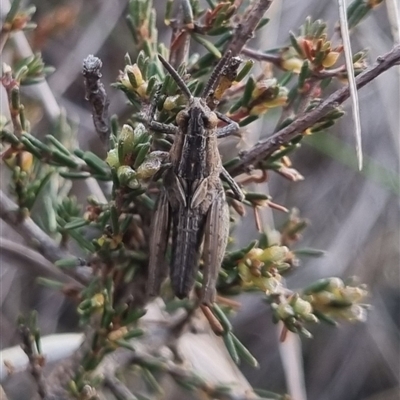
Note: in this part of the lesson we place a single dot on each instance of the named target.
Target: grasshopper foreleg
(150, 121)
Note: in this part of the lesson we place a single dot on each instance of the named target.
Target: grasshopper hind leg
(216, 235)
(160, 227)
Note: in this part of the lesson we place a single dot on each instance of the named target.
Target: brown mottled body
(193, 202)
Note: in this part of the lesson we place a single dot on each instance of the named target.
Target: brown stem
(244, 30)
(4, 35)
(7, 26)
(276, 60)
(35, 359)
(266, 147)
(307, 97)
(180, 40)
(11, 84)
(97, 96)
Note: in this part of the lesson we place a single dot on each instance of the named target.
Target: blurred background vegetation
(354, 216)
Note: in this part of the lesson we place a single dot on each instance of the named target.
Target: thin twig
(4, 34)
(5, 29)
(24, 226)
(276, 60)
(244, 30)
(266, 147)
(180, 39)
(272, 58)
(97, 96)
(34, 262)
(12, 90)
(35, 359)
(306, 97)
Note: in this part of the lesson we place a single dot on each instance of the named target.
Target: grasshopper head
(197, 117)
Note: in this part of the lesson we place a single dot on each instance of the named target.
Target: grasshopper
(192, 199)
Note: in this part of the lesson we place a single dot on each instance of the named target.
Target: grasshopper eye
(182, 117)
(210, 120)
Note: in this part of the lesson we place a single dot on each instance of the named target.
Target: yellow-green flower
(97, 300)
(133, 80)
(274, 254)
(293, 64)
(267, 94)
(151, 164)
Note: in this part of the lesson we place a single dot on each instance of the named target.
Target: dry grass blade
(290, 352)
(352, 83)
(393, 12)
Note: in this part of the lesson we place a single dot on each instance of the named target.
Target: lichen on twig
(97, 96)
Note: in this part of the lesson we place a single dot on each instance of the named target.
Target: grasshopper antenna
(175, 77)
(216, 74)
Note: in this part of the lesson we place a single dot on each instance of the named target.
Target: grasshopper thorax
(197, 118)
